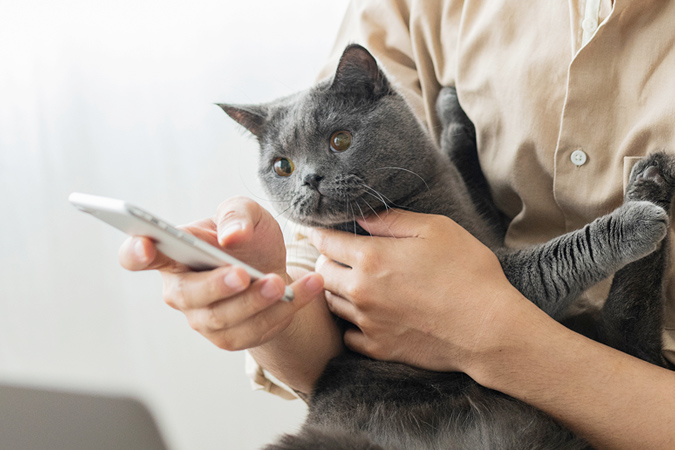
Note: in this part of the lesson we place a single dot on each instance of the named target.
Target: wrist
(511, 334)
(298, 354)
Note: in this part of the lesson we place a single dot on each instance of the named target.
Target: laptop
(36, 419)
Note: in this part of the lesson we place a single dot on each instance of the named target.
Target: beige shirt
(565, 96)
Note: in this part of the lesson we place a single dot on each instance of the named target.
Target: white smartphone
(174, 243)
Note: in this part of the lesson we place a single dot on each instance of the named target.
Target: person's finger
(345, 248)
(204, 229)
(139, 253)
(356, 341)
(396, 223)
(194, 290)
(335, 275)
(342, 308)
(230, 312)
(235, 219)
(262, 326)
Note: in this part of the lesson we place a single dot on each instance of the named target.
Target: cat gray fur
(361, 403)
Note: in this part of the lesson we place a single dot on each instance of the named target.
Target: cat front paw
(643, 226)
(653, 179)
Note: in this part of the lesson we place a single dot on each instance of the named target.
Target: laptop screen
(36, 419)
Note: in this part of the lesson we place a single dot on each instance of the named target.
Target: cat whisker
(379, 196)
(372, 209)
(260, 198)
(280, 214)
(353, 215)
(286, 222)
(254, 194)
(406, 170)
(280, 200)
(388, 203)
(391, 203)
(361, 211)
(378, 216)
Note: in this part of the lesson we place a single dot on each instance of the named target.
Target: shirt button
(578, 157)
(589, 25)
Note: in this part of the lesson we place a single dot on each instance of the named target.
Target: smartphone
(174, 243)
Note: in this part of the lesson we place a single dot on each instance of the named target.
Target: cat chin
(349, 225)
(324, 216)
(321, 212)
(321, 222)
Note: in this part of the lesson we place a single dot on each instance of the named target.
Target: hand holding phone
(174, 243)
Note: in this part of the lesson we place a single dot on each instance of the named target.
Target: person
(565, 97)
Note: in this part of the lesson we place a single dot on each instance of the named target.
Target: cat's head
(341, 150)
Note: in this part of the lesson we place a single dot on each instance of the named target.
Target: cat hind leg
(458, 143)
(631, 319)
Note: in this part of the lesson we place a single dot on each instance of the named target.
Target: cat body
(351, 146)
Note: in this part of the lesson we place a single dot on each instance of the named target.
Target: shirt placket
(590, 21)
(578, 154)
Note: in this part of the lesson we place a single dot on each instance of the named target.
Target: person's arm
(427, 293)
(610, 398)
(293, 341)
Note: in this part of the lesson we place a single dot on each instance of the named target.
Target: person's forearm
(300, 353)
(576, 381)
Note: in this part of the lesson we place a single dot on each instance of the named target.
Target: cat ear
(251, 117)
(358, 72)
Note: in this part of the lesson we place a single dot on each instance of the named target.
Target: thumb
(280, 314)
(395, 223)
(235, 220)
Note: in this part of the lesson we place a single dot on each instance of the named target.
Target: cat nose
(312, 180)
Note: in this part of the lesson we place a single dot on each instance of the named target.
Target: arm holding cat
(294, 341)
(396, 290)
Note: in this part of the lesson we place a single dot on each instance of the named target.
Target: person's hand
(223, 304)
(422, 290)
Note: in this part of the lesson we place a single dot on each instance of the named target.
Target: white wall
(116, 99)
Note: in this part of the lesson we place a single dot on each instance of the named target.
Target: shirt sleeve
(261, 380)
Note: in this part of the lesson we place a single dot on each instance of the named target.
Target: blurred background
(116, 99)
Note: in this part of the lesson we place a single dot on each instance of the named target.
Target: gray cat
(351, 146)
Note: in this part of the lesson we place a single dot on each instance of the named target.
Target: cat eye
(340, 140)
(284, 167)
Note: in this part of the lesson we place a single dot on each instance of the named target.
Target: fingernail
(230, 229)
(234, 281)
(270, 290)
(314, 283)
(140, 251)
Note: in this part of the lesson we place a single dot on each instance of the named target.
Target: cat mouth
(319, 209)
(325, 205)
(322, 202)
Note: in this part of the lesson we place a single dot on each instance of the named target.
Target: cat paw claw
(653, 179)
(652, 174)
